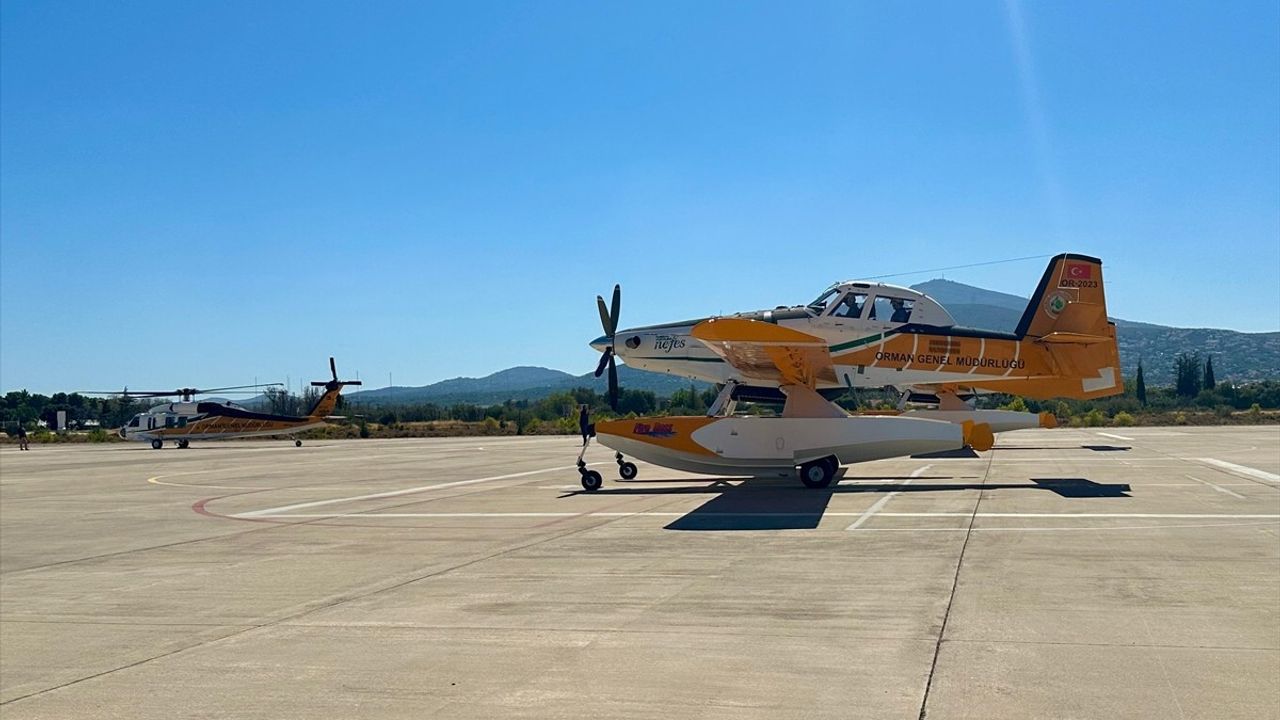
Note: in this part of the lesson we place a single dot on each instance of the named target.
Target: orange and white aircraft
(190, 420)
(860, 334)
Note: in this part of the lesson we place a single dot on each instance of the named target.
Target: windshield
(821, 303)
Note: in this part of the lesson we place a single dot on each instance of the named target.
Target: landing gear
(297, 443)
(184, 443)
(157, 444)
(627, 470)
(819, 473)
(591, 480)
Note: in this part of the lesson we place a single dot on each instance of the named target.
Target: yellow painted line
(157, 481)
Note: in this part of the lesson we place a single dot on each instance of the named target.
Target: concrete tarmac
(1111, 573)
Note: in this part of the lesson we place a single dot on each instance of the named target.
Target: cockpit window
(851, 306)
(891, 309)
(136, 421)
(821, 303)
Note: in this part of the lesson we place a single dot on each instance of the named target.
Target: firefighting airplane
(185, 421)
(859, 334)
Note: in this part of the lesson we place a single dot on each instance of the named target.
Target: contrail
(1036, 119)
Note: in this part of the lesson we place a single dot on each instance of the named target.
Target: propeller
(185, 393)
(335, 383)
(609, 320)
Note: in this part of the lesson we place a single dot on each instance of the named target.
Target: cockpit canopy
(880, 302)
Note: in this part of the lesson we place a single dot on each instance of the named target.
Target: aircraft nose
(601, 343)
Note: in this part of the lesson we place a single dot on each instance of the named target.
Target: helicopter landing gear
(627, 470)
(157, 444)
(297, 442)
(184, 444)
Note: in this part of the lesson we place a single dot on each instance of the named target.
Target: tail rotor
(335, 383)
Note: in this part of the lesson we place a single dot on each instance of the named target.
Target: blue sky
(210, 193)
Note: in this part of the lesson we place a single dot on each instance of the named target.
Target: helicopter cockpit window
(851, 306)
(892, 309)
(136, 421)
(821, 303)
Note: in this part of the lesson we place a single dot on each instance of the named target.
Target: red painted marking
(1079, 271)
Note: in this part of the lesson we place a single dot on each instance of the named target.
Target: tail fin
(1068, 316)
(332, 388)
(1069, 299)
(325, 405)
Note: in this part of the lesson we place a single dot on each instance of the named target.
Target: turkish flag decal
(1079, 271)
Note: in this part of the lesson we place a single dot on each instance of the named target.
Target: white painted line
(656, 513)
(1117, 437)
(276, 512)
(881, 502)
(1242, 470)
(1219, 488)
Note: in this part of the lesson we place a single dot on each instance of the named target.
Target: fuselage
(210, 420)
(878, 335)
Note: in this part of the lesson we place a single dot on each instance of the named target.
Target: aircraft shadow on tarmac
(768, 504)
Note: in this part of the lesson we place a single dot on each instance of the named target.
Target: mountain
(1236, 355)
(520, 383)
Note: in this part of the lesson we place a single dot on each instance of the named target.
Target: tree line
(1195, 388)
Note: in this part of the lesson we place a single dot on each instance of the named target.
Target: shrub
(98, 435)
(1094, 418)
(1017, 405)
(1122, 419)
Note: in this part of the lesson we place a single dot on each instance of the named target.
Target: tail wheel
(592, 480)
(627, 470)
(819, 473)
(184, 443)
(297, 443)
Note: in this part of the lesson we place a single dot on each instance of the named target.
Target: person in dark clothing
(22, 438)
(584, 424)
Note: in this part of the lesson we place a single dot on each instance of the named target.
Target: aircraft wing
(768, 352)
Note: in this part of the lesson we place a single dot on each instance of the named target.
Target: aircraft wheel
(157, 444)
(819, 473)
(184, 444)
(297, 443)
(592, 480)
(628, 470)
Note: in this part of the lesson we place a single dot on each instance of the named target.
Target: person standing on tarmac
(584, 424)
(22, 438)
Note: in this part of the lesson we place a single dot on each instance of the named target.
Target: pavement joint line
(951, 597)
(871, 511)
(1219, 488)
(275, 512)
(1241, 469)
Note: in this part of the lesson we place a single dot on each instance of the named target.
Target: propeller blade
(613, 310)
(604, 317)
(352, 382)
(613, 384)
(333, 368)
(605, 357)
(318, 383)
